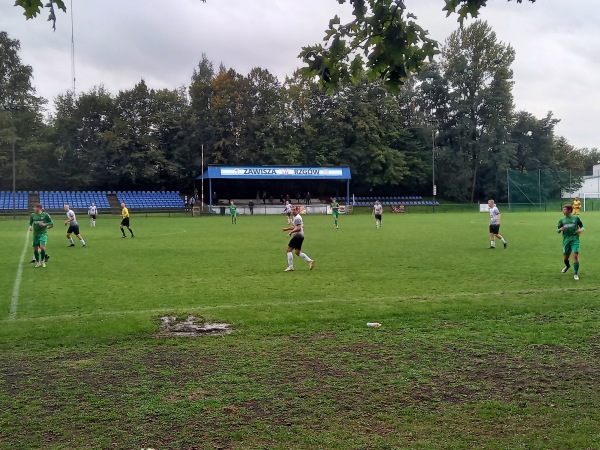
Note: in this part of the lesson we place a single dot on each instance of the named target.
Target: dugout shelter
(213, 172)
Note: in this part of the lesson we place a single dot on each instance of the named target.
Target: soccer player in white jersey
(377, 212)
(73, 226)
(495, 225)
(288, 211)
(93, 212)
(296, 232)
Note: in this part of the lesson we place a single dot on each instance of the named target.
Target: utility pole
(14, 199)
(202, 179)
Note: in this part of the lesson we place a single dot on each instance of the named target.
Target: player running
(377, 212)
(495, 225)
(233, 212)
(40, 221)
(335, 211)
(93, 212)
(296, 232)
(73, 226)
(288, 211)
(571, 227)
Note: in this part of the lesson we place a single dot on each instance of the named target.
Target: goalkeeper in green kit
(571, 227)
(40, 221)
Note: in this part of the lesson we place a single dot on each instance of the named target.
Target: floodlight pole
(14, 165)
(202, 180)
(14, 168)
(433, 166)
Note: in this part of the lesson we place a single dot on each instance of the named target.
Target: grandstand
(150, 199)
(410, 200)
(21, 200)
(75, 199)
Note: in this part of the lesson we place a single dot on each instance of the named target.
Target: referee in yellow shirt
(125, 220)
(576, 206)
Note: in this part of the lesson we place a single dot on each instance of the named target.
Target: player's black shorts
(495, 228)
(296, 242)
(73, 229)
(93, 216)
(377, 216)
(125, 222)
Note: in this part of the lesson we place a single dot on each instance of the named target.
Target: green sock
(36, 253)
(43, 254)
(576, 267)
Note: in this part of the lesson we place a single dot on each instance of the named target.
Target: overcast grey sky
(119, 42)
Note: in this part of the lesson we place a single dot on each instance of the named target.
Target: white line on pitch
(416, 298)
(15, 294)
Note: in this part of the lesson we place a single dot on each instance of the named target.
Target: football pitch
(477, 348)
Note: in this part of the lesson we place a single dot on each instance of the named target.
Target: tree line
(457, 113)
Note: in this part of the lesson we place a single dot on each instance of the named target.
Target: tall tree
(81, 127)
(471, 95)
(21, 123)
(230, 90)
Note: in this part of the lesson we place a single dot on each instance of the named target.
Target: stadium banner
(283, 172)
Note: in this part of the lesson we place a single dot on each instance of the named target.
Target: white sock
(82, 241)
(492, 243)
(503, 241)
(290, 257)
(71, 240)
(305, 257)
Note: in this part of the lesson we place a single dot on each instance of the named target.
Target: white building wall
(590, 184)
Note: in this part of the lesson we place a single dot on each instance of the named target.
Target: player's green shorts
(570, 246)
(234, 214)
(40, 240)
(335, 213)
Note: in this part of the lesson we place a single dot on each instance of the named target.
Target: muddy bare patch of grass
(190, 327)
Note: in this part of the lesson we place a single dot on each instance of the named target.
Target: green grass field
(478, 348)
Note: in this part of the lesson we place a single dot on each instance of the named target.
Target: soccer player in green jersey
(335, 211)
(233, 212)
(571, 227)
(40, 221)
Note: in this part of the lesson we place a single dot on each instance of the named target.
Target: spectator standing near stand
(251, 207)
